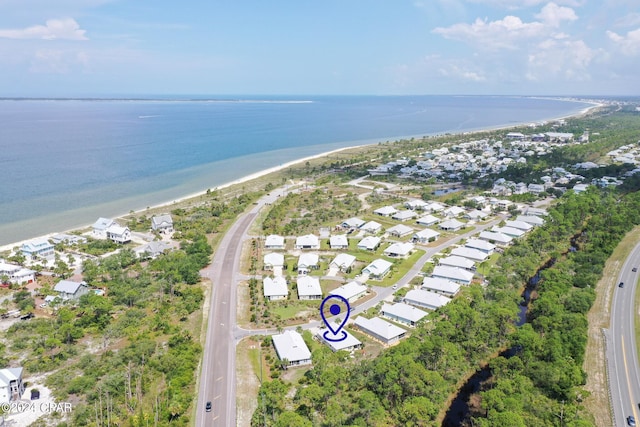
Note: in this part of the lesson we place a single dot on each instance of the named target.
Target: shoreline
(273, 169)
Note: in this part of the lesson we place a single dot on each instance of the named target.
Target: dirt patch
(247, 382)
(243, 312)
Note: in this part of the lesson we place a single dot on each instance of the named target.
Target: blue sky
(118, 47)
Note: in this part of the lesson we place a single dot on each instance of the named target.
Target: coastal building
(536, 221)
(425, 236)
(380, 330)
(453, 212)
(152, 249)
(343, 262)
(118, 234)
(402, 313)
(38, 248)
(68, 239)
(400, 230)
(16, 274)
(458, 262)
(476, 215)
(309, 241)
(162, 223)
(291, 348)
(378, 269)
(399, 250)
(472, 254)
(455, 274)
(309, 288)
(273, 261)
(441, 286)
(385, 211)
(404, 215)
(415, 204)
(372, 227)
(350, 343)
(273, 241)
(352, 223)
(509, 231)
(426, 299)
(369, 243)
(351, 291)
(428, 220)
(11, 385)
(434, 207)
(307, 262)
(521, 225)
(451, 225)
(339, 241)
(498, 239)
(69, 290)
(275, 288)
(100, 227)
(481, 245)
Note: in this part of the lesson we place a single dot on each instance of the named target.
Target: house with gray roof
(354, 222)
(380, 330)
(457, 261)
(472, 254)
(536, 221)
(400, 230)
(38, 248)
(153, 249)
(404, 215)
(498, 239)
(291, 347)
(350, 343)
(451, 225)
(454, 274)
(428, 220)
(402, 313)
(441, 286)
(372, 227)
(162, 223)
(481, 245)
(385, 211)
(68, 290)
(426, 299)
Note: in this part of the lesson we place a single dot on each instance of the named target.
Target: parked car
(208, 406)
(631, 420)
(621, 285)
(634, 269)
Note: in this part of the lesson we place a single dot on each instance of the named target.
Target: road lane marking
(626, 371)
(217, 397)
(218, 379)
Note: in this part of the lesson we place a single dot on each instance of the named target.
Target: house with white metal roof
(11, 385)
(499, 239)
(385, 211)
(415, 204)
(509, 231)
(404, 215)
(338, 241)
(273, 241)
(351, 291)
(454, 274)
(68, 290)
(99, 228)
(426, 299)
(481, 245)
(457, 261)
(308, 288)
(399, 250)
(476, 215)
(378, 268)
(369, 243)
(40, 248)
(434, 207)
(309, 241)
(162, 223)
(402, 313)
(428, 220)
(372, 227)
(273, 261)
(17, 274)
(531, 219)
(380, 330)
(354, 222)
(308, 262)
(342, 262)
(451, 225)
(441, 286)
(453, 212)
(291, 347)
(400, 230)
(425, 236)
(473, 254)
(275, 288)
(350, 343)
(119, 234)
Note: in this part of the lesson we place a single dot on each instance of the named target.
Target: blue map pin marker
(335, 309)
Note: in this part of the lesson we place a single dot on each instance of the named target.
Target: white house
(441, 286)
(68, 290)
(509, 231)
(307, 262)
(342, 262)
(273, 261)
(11, 385)
(380, 330)
(291, 347)
(351, 291)
(369, 243)
(372, 227)
(426, 299)
(309, 241)
(399, 250)
(162, 223)
(457, 261)
(273, 241)
(40, 248)
(453, 212)
(531, 219)
(17, 274)
(480, 245)
(454, 274)
(473, 254)
(118, 234)
(354, 222)
(99, 228)
(404, 215)
(400, 230)
(69, 239)
(309, 288)
(338, 241)
(152, 249)
(451, 225)
(275, 288)
(350, 343)
(385, 211)
(428, 220)
(378, 268)
(415, 204)
(402, 313)
(496, 238)
(476, 215)
(521, 225)
(434, 207)
(425, 236)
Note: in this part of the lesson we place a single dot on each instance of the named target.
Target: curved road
(218, 372)
(622, 356)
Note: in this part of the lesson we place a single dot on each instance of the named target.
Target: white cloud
(629, 44)
(628, 20)
(564, 59)
(454, 71)
(54, 29)
(553, 15)
(49, 61)
(521, 4)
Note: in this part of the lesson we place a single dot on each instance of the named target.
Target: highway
(622, 356)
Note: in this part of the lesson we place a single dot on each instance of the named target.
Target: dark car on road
(621, 285)
(634, 269)
(631, 421)
(208, 407)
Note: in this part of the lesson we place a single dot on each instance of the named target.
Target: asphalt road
(622, 356)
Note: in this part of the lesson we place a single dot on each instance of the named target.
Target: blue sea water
(66, 162)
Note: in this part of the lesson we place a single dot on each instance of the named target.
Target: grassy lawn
(398, 270)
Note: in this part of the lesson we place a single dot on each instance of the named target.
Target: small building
(402, 313)
(441, 286)
(118, 234)
(162, 223)
(428, 220)
(378, 269)
(385, 211)
(405, 215)
(369, 243)
(354, 223)
(339, 241)
(509, 231)
(290, 347)
(473, 254)
(343, 262)
(535, 188)
(425, 236)
(451, 225)
(458, 262)
(273, 261)
(454, 274)
(38, 248)
(275, 288)
(152, 249)
(415, 204)
(68, 290)
(351, 291)
(380, 330)
(309, 288)
(399, 250)
(453, 212)
(496, 238)
(273, 241)
(536, 211)
(69, 239)
(481, 245)
(372, 227)
(434, 207)
(100, 227)
(520, 225)
(11, 385)
(426, 299)
(350, 343)
(309, 241)
(536, 221)
(476, 215)
(308, 262)
(400, 230)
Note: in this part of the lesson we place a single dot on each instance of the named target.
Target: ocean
(67, 162)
